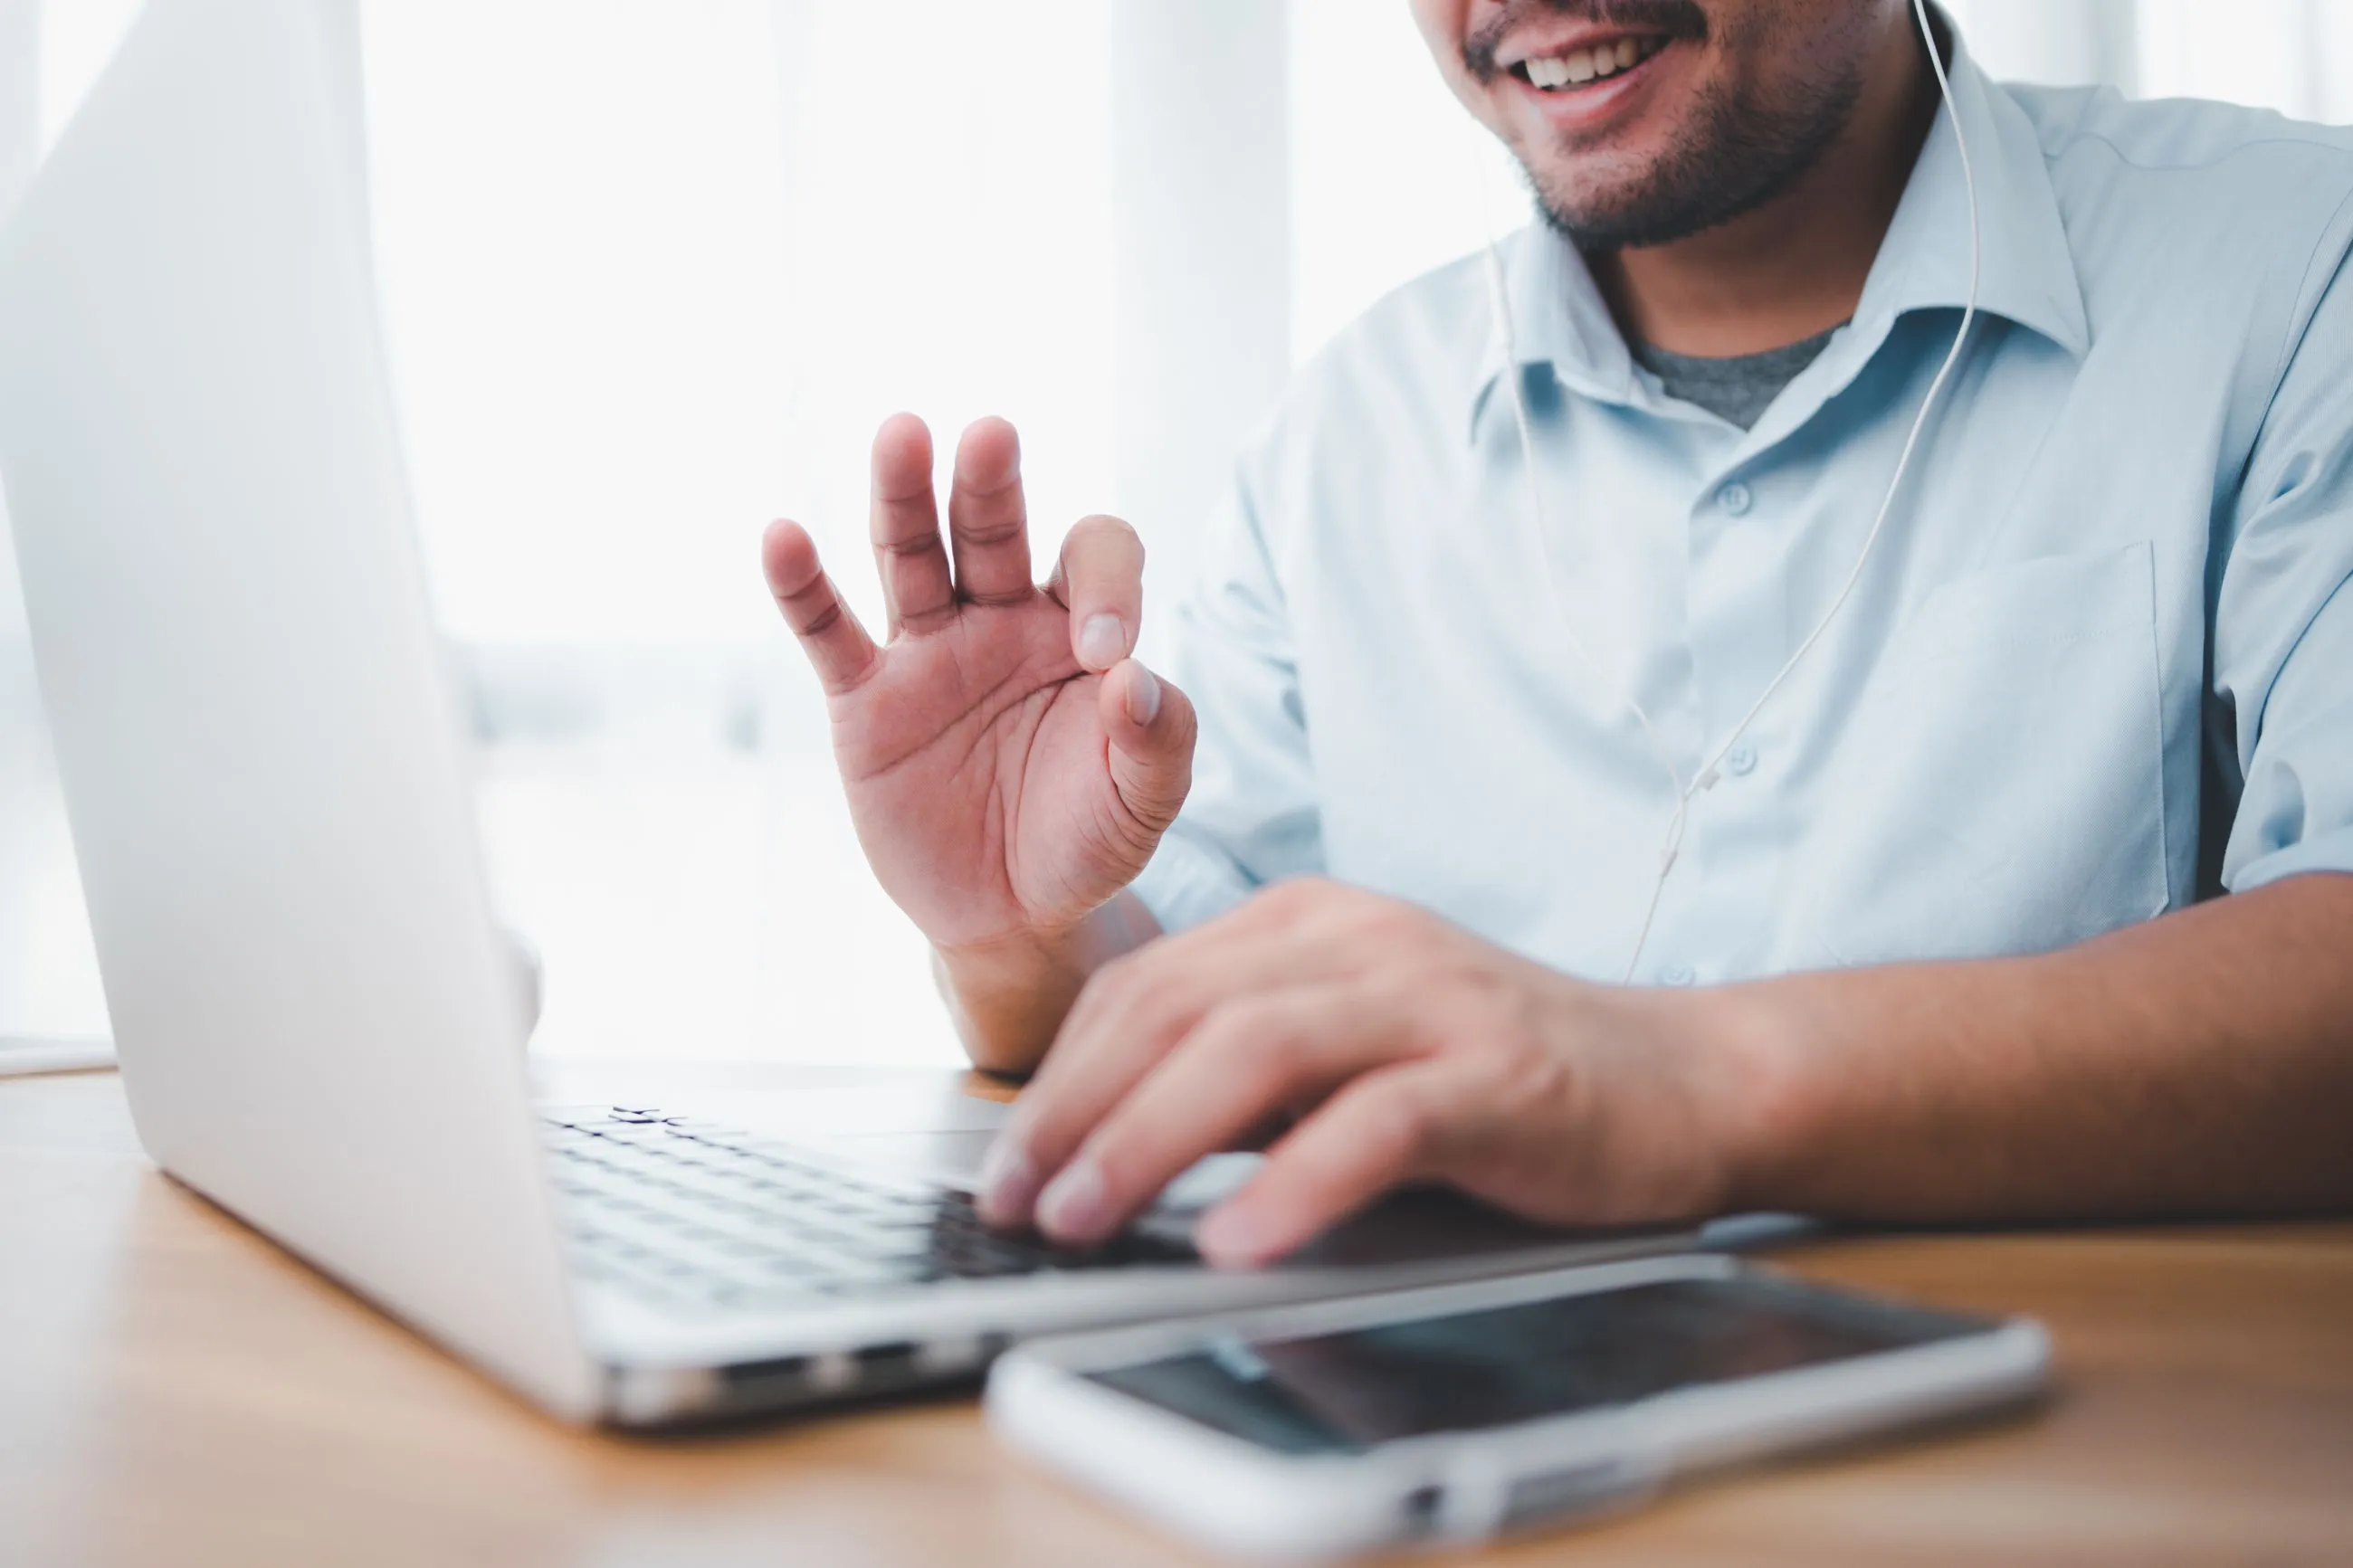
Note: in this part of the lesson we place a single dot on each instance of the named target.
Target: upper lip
(1539, 43)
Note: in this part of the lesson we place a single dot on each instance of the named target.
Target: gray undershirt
(1738, 389)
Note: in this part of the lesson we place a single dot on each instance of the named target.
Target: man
(1938, 936)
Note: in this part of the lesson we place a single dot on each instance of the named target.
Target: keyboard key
(689, 1215)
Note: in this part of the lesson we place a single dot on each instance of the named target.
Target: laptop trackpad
(953, 1157)
(1416, 1225)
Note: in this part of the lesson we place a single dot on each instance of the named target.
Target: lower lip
(1580, 108)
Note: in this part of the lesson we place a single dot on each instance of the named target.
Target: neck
(1796, 266)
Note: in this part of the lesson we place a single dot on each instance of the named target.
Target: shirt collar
(2028, 277)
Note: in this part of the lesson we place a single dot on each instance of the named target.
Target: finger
(1100, 580)
(988, 522)
(1140, 1005)
(1297, 932)
(1153, 729)
(1129, 1015)
(905, 524)
(836, 644)
(1247, 1061)
(1385, 1129)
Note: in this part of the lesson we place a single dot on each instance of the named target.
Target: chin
(1597, 189)
(1602, 170)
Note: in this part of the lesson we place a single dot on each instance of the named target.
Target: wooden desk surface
(172, 1390)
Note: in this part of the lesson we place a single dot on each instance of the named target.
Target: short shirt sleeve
(2284, 615)
(1251, 817)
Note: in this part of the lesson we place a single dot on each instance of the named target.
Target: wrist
(1754, 1099)
(1008, 994)
(1718, 1065)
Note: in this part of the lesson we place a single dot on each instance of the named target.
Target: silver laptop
(318, 1026)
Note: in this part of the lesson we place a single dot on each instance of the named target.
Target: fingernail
(1102, 642)
(1143, 696)
(1231, 1236)
(1072, 1205)
(1007, 1181)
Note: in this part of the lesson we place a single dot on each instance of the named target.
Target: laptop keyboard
(690, 1215)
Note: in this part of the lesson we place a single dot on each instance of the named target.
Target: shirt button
(1736, 497)
(1741, 761)
(1677, 975)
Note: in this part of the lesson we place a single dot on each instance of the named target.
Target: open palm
(1009, 767)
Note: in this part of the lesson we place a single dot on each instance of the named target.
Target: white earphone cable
(1705, 778)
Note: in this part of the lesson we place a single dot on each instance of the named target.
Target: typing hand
(1385, 1047)
(1010, 766)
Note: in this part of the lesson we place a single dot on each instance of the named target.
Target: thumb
(1152, 728)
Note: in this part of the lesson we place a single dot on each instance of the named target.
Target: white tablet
(1462, 1411)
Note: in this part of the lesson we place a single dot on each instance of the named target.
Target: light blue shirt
(2099, 666)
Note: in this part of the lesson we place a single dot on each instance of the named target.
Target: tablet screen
(1344, 1393)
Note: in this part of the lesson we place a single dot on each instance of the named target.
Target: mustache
(1672, 19)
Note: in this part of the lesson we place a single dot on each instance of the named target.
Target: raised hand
(1009, 765)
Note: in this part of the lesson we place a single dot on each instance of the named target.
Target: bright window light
(653, 275)
(1379, 198)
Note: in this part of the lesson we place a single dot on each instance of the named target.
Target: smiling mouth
(1574, 70)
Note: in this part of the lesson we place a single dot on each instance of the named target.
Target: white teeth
(1581, 66)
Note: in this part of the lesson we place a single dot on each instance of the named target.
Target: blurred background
(651, 274)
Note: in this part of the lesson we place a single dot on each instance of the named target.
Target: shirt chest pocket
(2001, 788)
